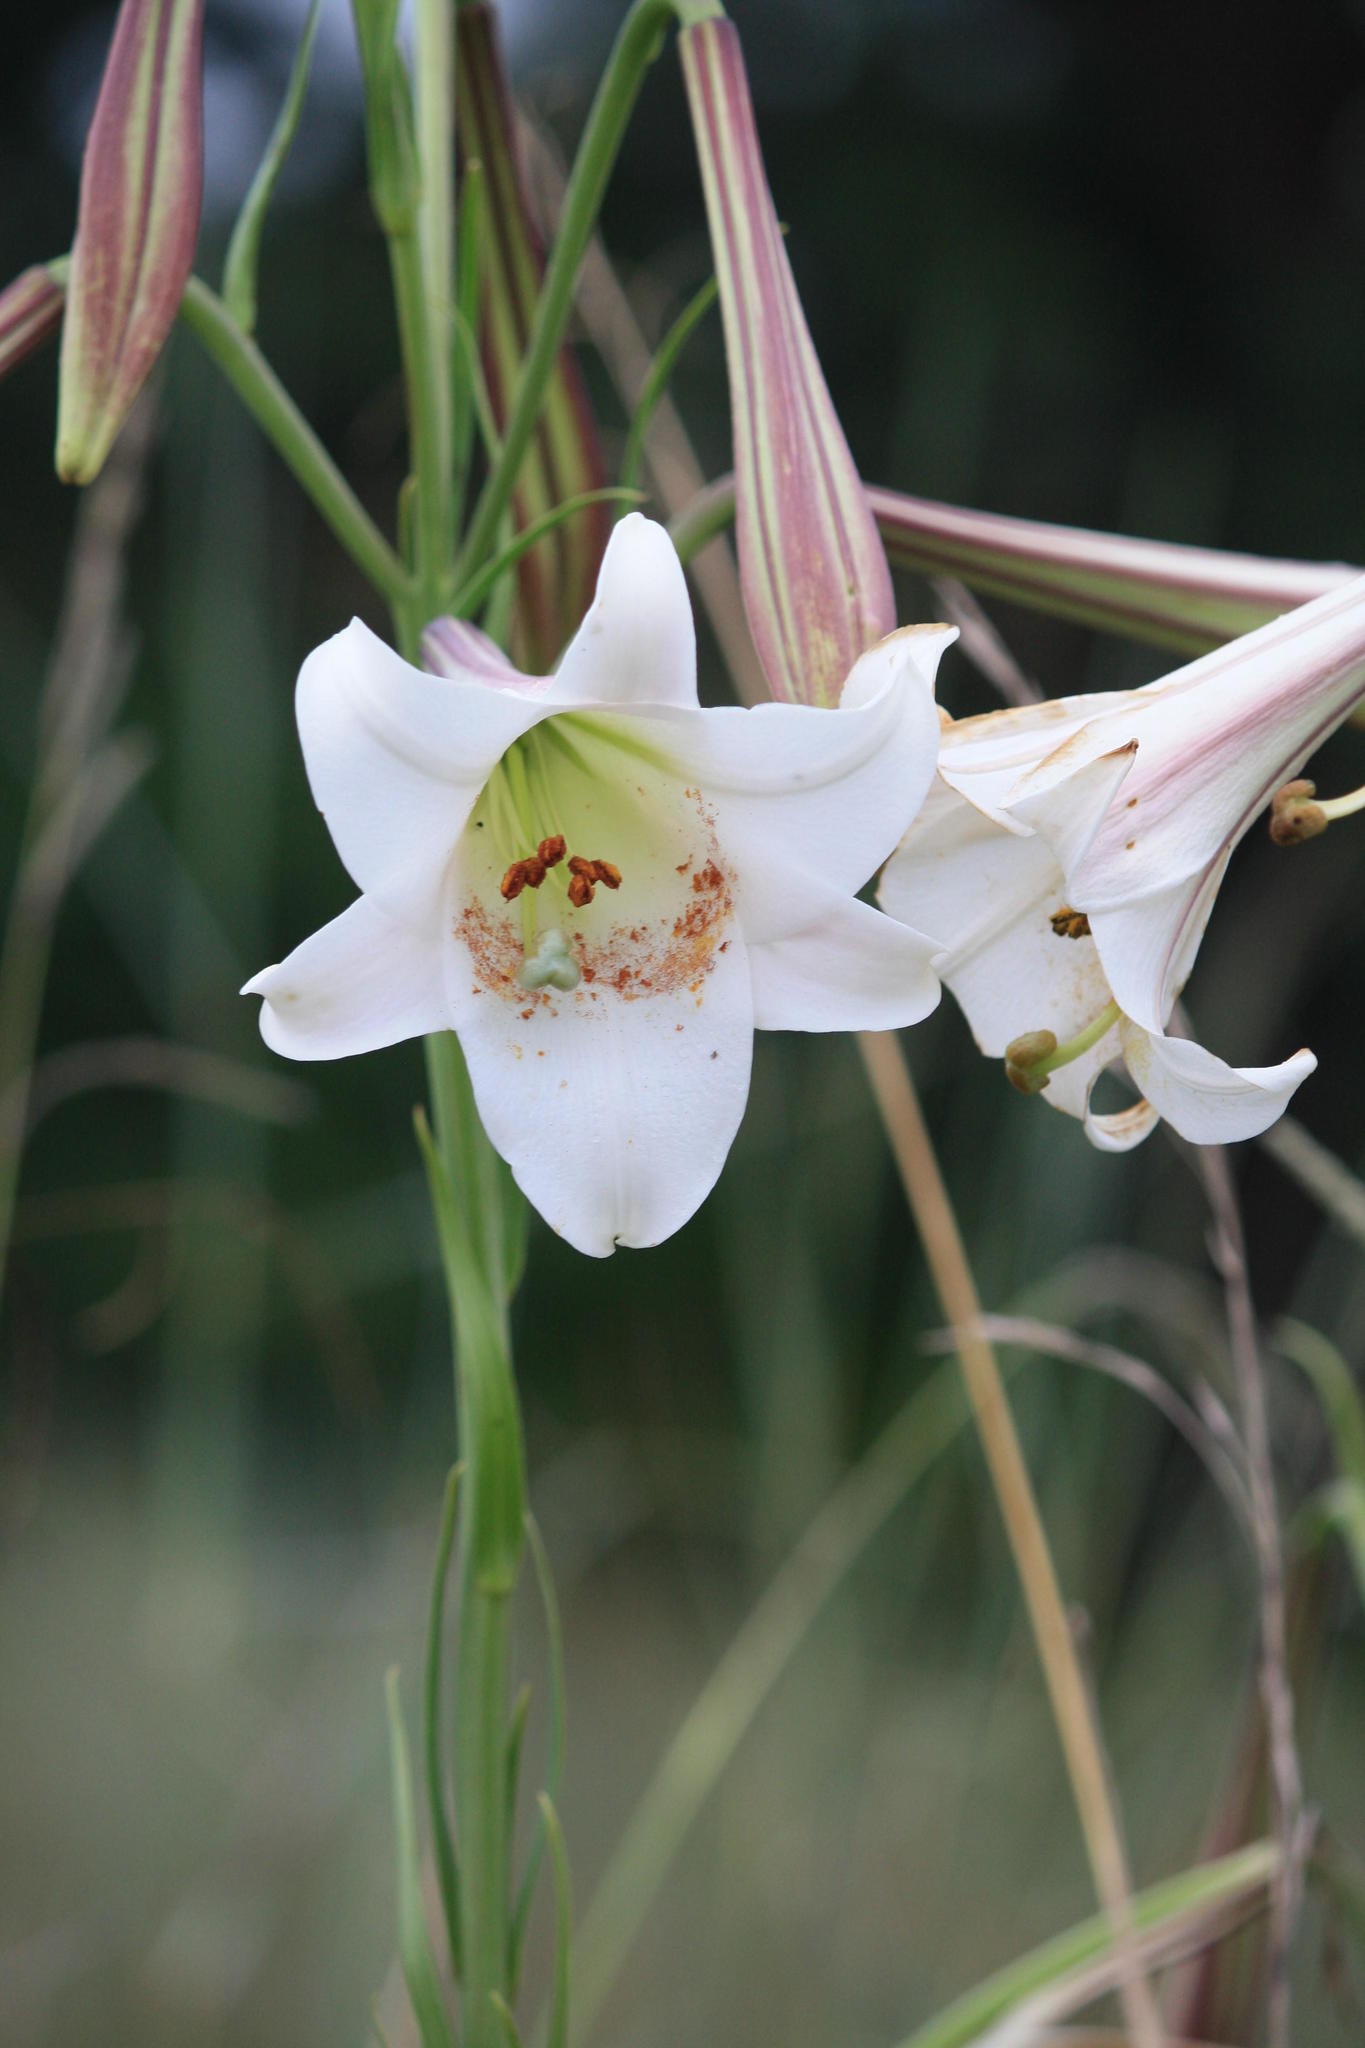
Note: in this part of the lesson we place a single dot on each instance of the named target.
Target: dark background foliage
(1098, 265)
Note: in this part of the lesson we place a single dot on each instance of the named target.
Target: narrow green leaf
(554, 1759)
(535, 387)
(244, 249)
(516, 1735)
(478, 587)
(1340, 1509)
(1171, 1907)
(660, 375)
(464, 328)
(414, 1939)
(447, 1867)
(557, 2033)
(504, 2013)
(1334, 1384)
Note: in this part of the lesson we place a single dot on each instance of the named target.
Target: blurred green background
(1105, 266)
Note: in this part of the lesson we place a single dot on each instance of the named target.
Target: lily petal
(849, 969)
(1120, 1130)
(830, 791)
(396, 760)
(1201, 1097)
(637, 644)
(1219, 736)
(615, 1112)
(987, 898)
(362, 982)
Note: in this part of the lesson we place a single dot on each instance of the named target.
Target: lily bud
(1294, 816)
(1024, 1057)
(30, 310)
(136, 225)
(556, 578)
(812, 568)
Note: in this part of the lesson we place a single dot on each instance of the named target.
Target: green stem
(660, 373)
(480, 1802)
(636, 47)
(284, 426)
(427, 407)
(474, 1167)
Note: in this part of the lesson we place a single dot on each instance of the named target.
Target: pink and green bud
(136, 226)
(812, 568)
(30, 310)
(556, 578)
(1161, 592)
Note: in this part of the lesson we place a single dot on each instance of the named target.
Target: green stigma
(552, 965)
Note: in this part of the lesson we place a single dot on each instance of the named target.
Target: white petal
(614, 1110)
(849, 969)
(396, 759)
(637, 644)
(363, 981)
(986, 897)
(1120, 1130)
(984, 758)
(1200, 1096)
(1148, 947)
(802, 796)
(1066, 805)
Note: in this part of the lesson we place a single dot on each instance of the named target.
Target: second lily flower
(1071, 851)
(603, 888)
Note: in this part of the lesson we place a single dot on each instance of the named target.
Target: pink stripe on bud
(30, 310)
(136, 226)
(812, 569)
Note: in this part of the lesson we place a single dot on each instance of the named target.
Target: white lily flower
(603, 888)
(1069, 856)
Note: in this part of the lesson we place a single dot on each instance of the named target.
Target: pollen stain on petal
(669, 950)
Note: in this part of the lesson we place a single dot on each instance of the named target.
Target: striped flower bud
(812, 568)
(136, 226)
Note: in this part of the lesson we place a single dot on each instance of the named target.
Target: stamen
(528, 873)
(1030, 1059)
(1295, 816)
(586, 873)
(552, 965)
(1070, 924)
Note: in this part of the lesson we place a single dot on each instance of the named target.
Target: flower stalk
(1072, 1706)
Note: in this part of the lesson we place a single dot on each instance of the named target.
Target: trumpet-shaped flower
(603, 888)
(1070, 853)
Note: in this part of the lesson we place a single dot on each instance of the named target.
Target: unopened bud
(1024, 1056)
(136, 225)
(1294, 816)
